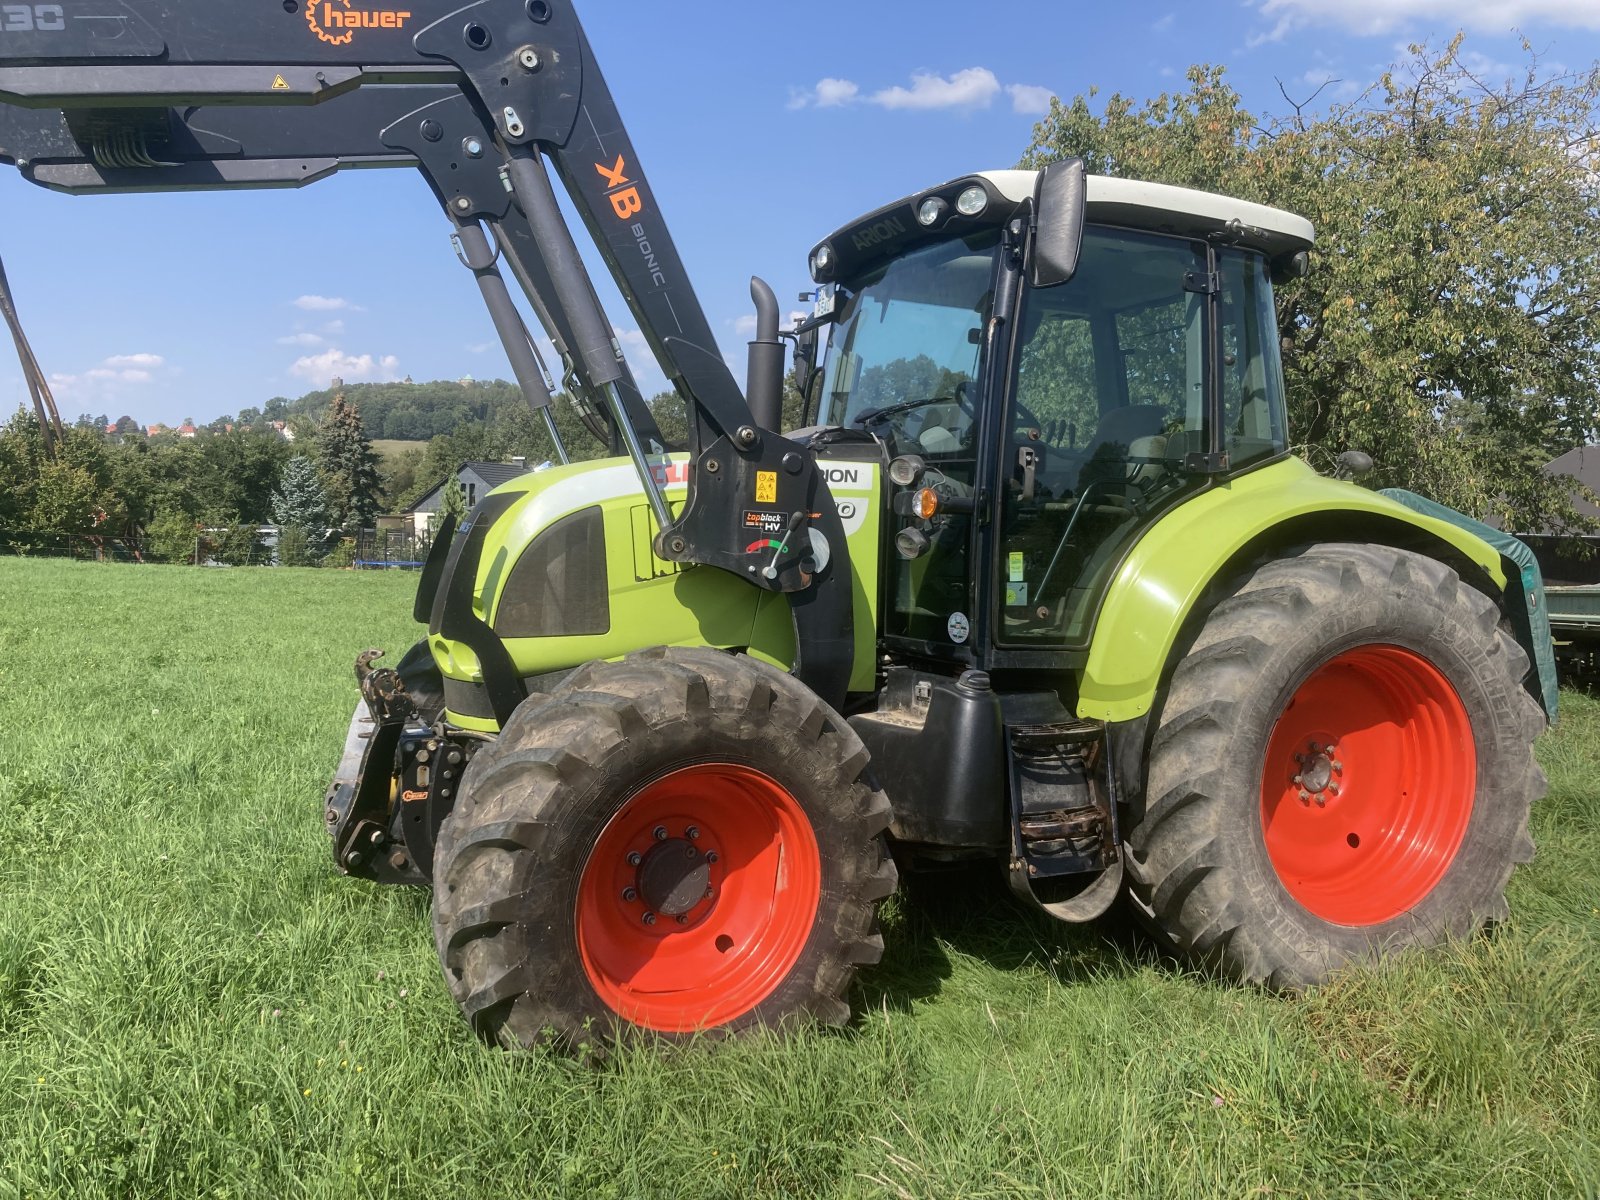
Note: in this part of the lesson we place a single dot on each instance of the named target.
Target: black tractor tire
(1257, 849)
(567, 904)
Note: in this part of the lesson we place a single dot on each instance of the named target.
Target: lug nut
(692, 833)
(1305, 797)
(683, 918)
(660, 833)
(635, 858)
(1299, 779)
(711, 856)
(630, 894)
(1338, 766)
(649, 918)
(710, 892)
(1322, 801)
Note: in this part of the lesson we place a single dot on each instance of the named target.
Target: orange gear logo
(336, 22)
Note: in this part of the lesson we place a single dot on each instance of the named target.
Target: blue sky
(762, 128)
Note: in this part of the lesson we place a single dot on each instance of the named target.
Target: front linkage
(398, 777)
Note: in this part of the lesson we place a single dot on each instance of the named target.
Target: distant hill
(414, 412)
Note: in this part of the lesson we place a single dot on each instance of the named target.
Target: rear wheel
(681, 841)
(1342, 766)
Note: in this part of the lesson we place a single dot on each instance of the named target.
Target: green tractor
(1039, 583)
(1107, 633)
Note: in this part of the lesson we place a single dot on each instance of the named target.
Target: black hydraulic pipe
(764, 378)
(593, 341)
(591, 333)
(472, 247)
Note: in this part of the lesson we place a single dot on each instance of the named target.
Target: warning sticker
(766, 487)
(770, 523)
(1015, 569)
(280, 84)
(1016, 595)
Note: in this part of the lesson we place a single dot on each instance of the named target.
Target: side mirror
(1060, 205)
(805, 359)
(1352, 464)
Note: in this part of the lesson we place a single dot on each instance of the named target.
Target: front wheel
(682, 841)
(1342, 767)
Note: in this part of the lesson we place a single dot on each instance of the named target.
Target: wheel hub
(673, 877)
(1319, 771)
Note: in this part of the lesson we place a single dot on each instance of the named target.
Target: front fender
(1168, 570)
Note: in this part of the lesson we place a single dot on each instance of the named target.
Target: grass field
(192, 1003)
(390, 447)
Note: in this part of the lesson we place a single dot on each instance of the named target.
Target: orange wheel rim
(1368, 785)
(698, 898)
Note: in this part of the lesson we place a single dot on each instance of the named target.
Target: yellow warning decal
(280, 84)
(766, 487)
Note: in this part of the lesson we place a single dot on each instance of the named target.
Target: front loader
(1039, 583)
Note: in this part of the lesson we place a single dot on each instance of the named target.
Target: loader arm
(149, 95)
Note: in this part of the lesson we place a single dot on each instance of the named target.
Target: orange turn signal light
(925, 503)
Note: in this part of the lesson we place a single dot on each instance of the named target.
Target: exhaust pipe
(764, 378)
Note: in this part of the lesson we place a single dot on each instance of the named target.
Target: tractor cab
(1037, 426)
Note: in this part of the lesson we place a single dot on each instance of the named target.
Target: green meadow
(193, 1003)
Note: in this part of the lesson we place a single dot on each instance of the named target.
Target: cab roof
(1157, 207)
(1163, 207)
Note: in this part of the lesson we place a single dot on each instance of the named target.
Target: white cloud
(745, 326)
(1370, 17)
(303, 339)
(1030, 99)
(135, 360)
(102, 384)
(975, 87)
(323, 304)
(829, 93)
(319, 369)
(1164, 23)
(333, 328)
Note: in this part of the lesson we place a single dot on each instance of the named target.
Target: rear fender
(1206, 541)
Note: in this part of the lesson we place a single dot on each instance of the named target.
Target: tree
(349, 468)
(298, 507)
(299, 499)
(1450, 325)
(454, 500)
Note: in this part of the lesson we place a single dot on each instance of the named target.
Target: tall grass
(193, 1003)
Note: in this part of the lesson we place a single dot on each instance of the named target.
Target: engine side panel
(647, 601)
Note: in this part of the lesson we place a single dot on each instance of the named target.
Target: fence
(231, 546)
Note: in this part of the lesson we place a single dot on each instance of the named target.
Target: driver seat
(1121, 431)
